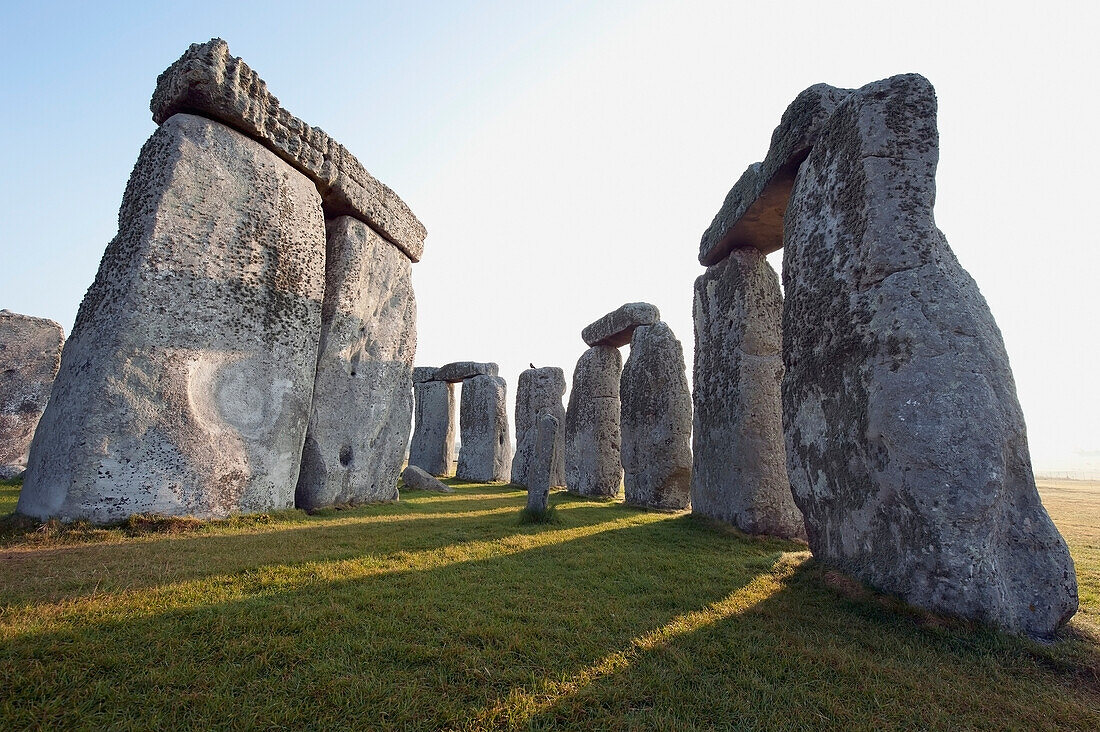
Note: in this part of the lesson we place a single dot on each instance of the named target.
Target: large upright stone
(485, 454)
(739, 470)
(593, 439)
(538, 392)
(544, 458)
(433, 442)
(362, 397)
(462, 370)
(656, 420)
(30, 353)
(210, 81)
(186, 384)
(616, 328)
(906, 446)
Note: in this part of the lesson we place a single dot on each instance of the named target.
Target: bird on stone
(532, 365)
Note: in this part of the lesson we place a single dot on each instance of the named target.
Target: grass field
(444, 611)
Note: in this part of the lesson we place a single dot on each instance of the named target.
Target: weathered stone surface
(423, 373)
(185, 387)
(739, 469)
(906, 446)
(544, 459)
(593, 439)
(462, 370)
(485, 454)
(616, 328)
(433, 442)
(210, 81)
(30, 353)
(538, 392)
(656, 420)
(418, 480)
(752, 214)
(362, 397)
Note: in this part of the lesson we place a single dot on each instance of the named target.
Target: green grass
(443, 611)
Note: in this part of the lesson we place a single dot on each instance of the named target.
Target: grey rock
(210, 81)
(906, 445)
(418, 480)
(423, 373)
(30, 353)
(362, 397)
(433, 442)
(739, 470)
(616, 328)
(485, 454)
(538, 392)
(462, 370)
(593, 438)
(656, 420)
(752, 214)
(185, 387)
(544, 458)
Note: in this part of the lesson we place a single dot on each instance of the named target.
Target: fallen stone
(906, 446)
(593, 439)
(185, 387)
(485, 454)
(418, 480)
(656, 421)
(739, 469)
(433, 442)
(362, 396)
(544, 458)
(616, 328)
(30, 353)
(538, 392)
(752, 214)
(209, 81)
(462, 370)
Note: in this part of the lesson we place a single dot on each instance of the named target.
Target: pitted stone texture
(616, 328)
(739, 469)
(418, 480)
(752, 214)
(433, 442)
(593, 439)
(485, 454)
(362, 397)
(656, 420)
(462, 370)
(538, 392)
(210, 81)
(906, 446)
(30, 353)
(185, 387)
(423, 373)
(545, 456)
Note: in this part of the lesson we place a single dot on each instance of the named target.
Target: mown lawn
(443, 611)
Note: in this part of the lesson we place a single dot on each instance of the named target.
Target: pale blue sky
(566, 156)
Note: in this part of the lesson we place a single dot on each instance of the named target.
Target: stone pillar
(544, 457)
(593, 439)
(186, 385)
(656, 420)
(538, 392)
(362, 398)
(30, 354)
(486, 451)
(433, 442)
(739, 470)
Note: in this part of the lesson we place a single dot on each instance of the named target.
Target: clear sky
(566, 156)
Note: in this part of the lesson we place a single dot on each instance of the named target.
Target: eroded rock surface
(616, 328)
(485, 453)
(656, 420)
(906, 446)
(538, 392)
(593, 438)
(544, 458)
(418, 480)
(462, 370)
(433, 442)
(30, 354)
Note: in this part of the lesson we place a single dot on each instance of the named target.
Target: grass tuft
(533, 516)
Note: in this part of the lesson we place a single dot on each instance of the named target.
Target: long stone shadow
(420, 649)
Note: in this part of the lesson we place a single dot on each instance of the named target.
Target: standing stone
(593, 439)
(739, 470)
(433, 442)
(544, 458)
(362, 397)
(30, 353)
(906, 446)
(539, 392)
(186, 385)
(656, 420)
(485, 454)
